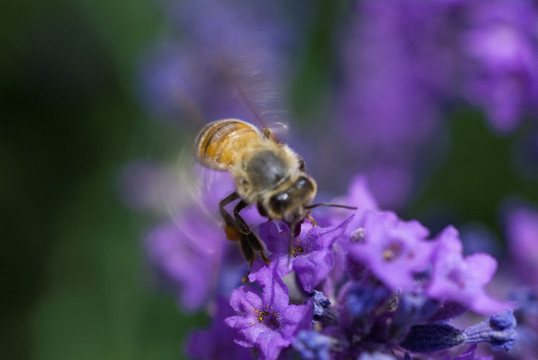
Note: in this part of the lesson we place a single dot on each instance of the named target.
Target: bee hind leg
(246, 233)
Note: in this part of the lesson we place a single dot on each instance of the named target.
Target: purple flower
(311, 258)
(459, 279)
(392, 249)
(266, 321)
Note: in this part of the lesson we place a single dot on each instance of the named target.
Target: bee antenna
(331, 205)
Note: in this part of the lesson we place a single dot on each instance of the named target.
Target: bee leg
(233, 227)
(252, 238)
(232, 231)
(248, 253)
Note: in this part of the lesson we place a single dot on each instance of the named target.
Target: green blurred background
(75, 283)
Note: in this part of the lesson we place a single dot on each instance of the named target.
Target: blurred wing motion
(259, 100)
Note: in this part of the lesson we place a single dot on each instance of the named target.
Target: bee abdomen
(219, 142)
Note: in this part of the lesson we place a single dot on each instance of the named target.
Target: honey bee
(266, 172)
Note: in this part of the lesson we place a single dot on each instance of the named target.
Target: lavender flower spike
(426, 338)
(499, 331)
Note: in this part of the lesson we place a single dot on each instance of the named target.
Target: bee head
(290, 205)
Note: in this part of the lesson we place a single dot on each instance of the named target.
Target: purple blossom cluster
(407, 62)
(364, 284)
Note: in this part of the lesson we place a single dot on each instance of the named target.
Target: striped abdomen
(219, 143)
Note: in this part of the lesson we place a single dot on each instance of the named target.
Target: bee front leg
(234, 231)
(252, 238)
(231, 229)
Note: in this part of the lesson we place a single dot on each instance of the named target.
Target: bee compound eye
(279, 202)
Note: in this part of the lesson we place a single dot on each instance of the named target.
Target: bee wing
(259, 95)
(189, 239)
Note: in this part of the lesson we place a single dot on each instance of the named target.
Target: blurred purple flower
(405, 61)
(387, 109)
(392, 249)
(459, 279)
(522, 234)
(500, 42)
